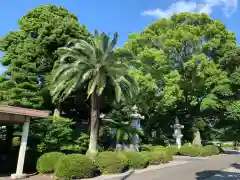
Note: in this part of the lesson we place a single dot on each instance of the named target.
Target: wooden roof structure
(17, 115)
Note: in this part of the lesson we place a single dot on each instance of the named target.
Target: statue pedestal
(178, 141)
(177, 133)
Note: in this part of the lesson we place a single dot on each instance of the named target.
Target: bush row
(81, 166)
(186, 150)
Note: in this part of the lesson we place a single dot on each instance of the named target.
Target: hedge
(211, 149)
(136, 160)
(111, 162)
(75, 166)
(157, 157)
(194, 150)
(173, 150)
(47, 162)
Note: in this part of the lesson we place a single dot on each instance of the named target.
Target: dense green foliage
(194, 150)
(187, 67)
(75, 166)
(120, 120)
(111, 162)
(48, 161)
(157, 157)
(56, 134)
(211, 149)
(93, 64)
(185, 58)
(172, 150)
(136, 160)
(31, 52)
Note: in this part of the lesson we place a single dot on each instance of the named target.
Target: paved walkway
(231, 173)
(200, 169)
(222, 167)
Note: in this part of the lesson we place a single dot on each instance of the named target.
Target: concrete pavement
(232, 173)
(198, 169)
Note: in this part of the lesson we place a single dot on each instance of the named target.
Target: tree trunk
(94, 131)
(118, 145)
(197, 138)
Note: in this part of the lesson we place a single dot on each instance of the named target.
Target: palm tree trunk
(93, 149)
(118, 145)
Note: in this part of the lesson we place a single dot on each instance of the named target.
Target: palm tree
(92, 64)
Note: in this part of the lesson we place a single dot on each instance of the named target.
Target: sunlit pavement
(201, 169)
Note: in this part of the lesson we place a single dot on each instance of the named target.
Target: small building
(10, 115)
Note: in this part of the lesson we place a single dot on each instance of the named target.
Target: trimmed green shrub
(157, 157)
(192, 151)
(136, 160)
(195, 150)
(75, 166)
(47, 162)
(168, 151)
(173, 149)
(212, 150)
(111, 162)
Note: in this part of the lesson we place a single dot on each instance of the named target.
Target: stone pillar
(178, 133)
(21, 155)
(136, 117)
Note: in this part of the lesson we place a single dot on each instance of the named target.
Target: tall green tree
(230, 124)
(30, 52)
(92, 64)
(183, 54)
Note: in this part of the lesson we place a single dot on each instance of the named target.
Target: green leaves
(94, 64)
(188, 59)
(172, 91)
(31, 51)
(123, 129)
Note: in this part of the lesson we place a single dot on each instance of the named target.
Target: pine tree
(30, 53)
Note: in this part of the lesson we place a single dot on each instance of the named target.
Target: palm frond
(84, 48)
(92, 85)
(92, 62)
(111, 122)
(102, 83)
(118, 90)
(110, 44)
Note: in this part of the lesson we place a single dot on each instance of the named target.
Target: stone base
(18, 176)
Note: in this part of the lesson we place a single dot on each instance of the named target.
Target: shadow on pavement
(217, 175)
(230, 152)
(236, 165)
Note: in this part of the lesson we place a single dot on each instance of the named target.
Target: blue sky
(122, 16)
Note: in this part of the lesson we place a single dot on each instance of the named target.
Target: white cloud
(228, 7)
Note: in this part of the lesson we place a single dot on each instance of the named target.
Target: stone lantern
(136, 118)
(177, 132)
